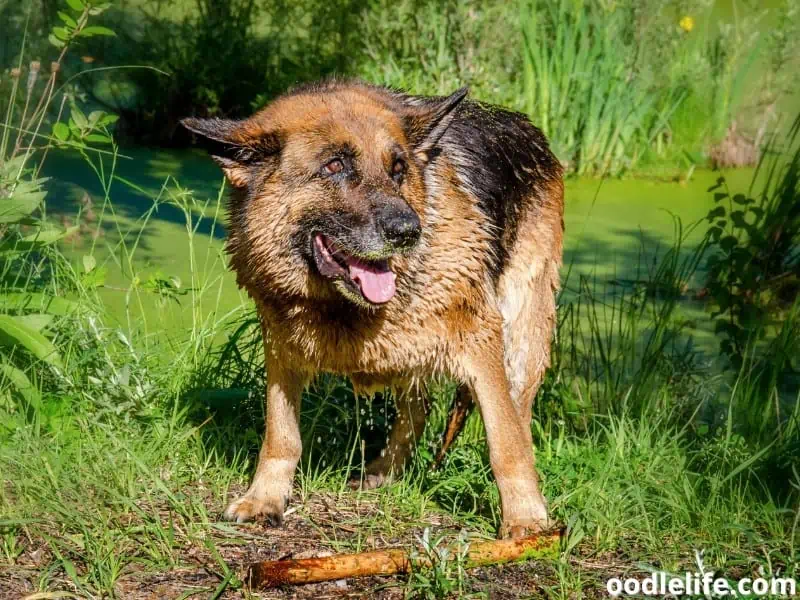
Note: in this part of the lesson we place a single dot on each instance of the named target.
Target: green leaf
(95, 278)
(20, 205)
(728, 243)
(80, 120)
(99, 9)
(23, 385)
(43, 237)
(76, 5)
(98, 138)
(50, 235)
(62, 33)
(741, 199)
(31, 185)
(18, 301)
(89, 263)
(96, 30)
(61, 131)
(68, 21)
(737, 217)
(36, 321)
(9, 169)
(14, 332)
(55, 41)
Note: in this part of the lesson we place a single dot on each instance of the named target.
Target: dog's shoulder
(505, 163)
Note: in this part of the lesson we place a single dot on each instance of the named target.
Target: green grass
(584, 88)
(107, 494)
(127, 501)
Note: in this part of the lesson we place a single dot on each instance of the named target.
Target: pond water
(614, 228)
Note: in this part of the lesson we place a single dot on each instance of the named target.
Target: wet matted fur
(390, 238)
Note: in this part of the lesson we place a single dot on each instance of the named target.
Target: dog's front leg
(280, 451)
(510, 454)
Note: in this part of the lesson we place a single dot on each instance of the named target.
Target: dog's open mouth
(370, 280)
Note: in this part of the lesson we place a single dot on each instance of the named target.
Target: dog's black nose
(401, 228)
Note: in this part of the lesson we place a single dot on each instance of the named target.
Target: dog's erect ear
(426, 121)
(234, 148)
(225, 131)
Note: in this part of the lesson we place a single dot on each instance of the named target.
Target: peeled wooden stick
(272, 573)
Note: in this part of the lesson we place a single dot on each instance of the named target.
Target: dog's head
(329, 188)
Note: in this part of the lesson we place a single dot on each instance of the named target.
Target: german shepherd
(390, 238)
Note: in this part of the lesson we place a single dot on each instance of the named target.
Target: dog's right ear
(234, 148)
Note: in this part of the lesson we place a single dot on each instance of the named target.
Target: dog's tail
(459, 411)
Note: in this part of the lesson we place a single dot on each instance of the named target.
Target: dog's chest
(314, 342)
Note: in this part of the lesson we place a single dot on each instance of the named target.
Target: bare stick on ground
(272, 573)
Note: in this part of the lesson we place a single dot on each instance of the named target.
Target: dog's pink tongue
(376, 283)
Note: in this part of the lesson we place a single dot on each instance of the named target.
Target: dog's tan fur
(449, 315)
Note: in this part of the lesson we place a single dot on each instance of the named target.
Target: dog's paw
(249, 507)
(515, 529)
(369, 482)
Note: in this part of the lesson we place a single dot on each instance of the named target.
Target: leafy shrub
(614, 84)
(753, 285)
(213, 58)
(754, 267)
(34, 276)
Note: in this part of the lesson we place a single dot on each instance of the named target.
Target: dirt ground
(318, 527)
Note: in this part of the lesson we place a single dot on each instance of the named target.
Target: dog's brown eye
(398, 168)
(333, 167)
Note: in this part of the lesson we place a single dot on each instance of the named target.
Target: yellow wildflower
(686, 23)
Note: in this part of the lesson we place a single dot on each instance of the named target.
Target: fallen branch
(272, 573)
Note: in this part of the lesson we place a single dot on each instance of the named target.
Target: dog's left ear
(427, 121)
(234, 148)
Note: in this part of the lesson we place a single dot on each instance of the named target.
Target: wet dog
(390, 238)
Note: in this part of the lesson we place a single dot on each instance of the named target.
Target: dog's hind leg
(412, 409)
(527, 336)
(460, 410)
(526, 295)
(528, 331)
